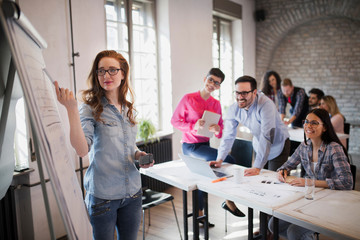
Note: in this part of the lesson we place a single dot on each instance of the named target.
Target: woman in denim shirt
(323, 157)
(105, 127)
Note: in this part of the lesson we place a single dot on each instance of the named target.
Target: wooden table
(333, 213)
(262, 192)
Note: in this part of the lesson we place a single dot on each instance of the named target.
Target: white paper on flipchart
(210, 119)
(41, 102)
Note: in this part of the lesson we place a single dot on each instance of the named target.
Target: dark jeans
(277, 162)
(298, 121)
(203, 151)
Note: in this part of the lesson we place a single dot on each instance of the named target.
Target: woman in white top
(337, 119)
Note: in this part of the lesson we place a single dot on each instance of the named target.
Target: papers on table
(264, 189)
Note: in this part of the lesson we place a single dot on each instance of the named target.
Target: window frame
(128, 4)
(218, 20)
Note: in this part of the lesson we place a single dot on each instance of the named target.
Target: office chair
(151, 199)
(242, 152)
(347, 131)
(353, 172)
(352, 166)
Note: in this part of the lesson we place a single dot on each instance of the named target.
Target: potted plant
(147, 131)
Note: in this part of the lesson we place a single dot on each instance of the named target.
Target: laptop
(202, 167)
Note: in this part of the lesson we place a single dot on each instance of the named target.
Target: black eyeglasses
(111, 71)
(214, 82)
(243, 94)
(312, 123)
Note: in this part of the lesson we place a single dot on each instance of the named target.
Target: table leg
(263, 225)
(250, 223)
(195, 204)
(275, 228)
(206, 215)
(185, 215)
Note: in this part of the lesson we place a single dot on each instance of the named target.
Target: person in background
(106, 126)
(270, 135)
(298, 100)
(187, 117)
(270, 86)
(315, 96)
(324, 158)
(337, 119)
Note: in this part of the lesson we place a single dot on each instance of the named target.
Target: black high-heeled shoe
(236, 213)
(203, 222)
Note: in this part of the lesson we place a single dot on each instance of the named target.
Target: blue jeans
(203, 151)
(122, 214)
(292, 231)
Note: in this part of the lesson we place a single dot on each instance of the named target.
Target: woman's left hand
(138, 154)
(148, 165)
(137, 157)
(299, 182)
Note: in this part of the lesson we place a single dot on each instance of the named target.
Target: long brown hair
(265, 83)
(93, 95)
(329, 135)
(331, 103)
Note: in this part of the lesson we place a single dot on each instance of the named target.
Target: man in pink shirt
(188, 119)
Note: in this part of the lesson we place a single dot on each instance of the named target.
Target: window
(223, 58)
(227, 46)
(131, 31)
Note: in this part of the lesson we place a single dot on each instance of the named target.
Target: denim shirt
(112, 173)
(263, 120)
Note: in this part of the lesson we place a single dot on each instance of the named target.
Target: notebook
(201, 167)
(210, 118)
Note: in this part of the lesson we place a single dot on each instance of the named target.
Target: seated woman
(323, 157)
(337, 119)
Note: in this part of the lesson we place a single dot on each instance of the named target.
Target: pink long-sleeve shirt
(190, 109)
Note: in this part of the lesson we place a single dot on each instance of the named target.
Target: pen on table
(221, 179)
(283, 174)
(49, 77)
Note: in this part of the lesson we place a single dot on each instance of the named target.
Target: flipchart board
(10, 92)
(26, 47)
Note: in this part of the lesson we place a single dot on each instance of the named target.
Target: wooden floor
(163, 224)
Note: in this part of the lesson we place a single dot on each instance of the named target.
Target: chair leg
(226, 221)
(177, 222)
(317, 235)
(149, 217)
(143, 224)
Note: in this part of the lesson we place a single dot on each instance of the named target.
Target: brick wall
(315, 44)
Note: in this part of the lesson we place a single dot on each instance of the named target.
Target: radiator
(162, 151)
(8, 226)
